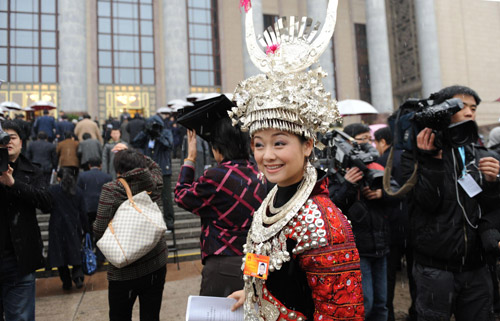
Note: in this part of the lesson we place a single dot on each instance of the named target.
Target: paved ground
(91, 302)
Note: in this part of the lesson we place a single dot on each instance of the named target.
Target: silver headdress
(287, 97)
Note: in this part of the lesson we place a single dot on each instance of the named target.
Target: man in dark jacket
(22, 191)
(45, 124)
(44, 154)
(449, 270)
(156, 141)
(135, 126)
(63, 127)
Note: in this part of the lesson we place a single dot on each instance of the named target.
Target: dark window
(29, 41)
(125, 47)
(269, 20)
(204, 54)
(363, 66)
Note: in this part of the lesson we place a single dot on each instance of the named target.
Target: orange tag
(256, 265)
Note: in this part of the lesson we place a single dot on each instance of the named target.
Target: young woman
(313, 270)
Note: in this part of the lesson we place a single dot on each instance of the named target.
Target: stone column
(316, 10)
(428, 46)
(378, 56)
(175, 42)
(258, 20)
(72, 56)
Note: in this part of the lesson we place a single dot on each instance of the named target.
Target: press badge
(256, 265)
(469, 185)
(151, 143)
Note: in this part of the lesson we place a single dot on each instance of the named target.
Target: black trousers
(66, 276)
(149, 289)
(221, 276)
(397, 251)
(168, 205)
(467, 295)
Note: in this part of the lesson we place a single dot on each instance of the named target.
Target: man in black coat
(135, 126)
(22, 191)
(43, 153)
(91, 182)
(63, 126)
(450, 269)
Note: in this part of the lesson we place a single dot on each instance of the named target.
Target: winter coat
(68, 221)
(91, 183)
(67, 153)
(88, 126)
(441, 235)
(43, 153)
(89, 148)
(45, 124)
(19, 204)
(112, 196)
(369, 218)
(135, 126)
(162, 146)
(63, 127)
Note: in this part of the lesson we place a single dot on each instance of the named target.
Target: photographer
(156, 141)
(22, 191)
(368, 208)
(445, 212)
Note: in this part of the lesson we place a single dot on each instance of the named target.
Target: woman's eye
(257, 145)
(280, 144)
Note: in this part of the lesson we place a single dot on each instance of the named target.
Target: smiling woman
(314, 270)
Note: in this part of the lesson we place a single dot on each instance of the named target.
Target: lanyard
(461, 150)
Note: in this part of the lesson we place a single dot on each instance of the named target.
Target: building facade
(104, 56)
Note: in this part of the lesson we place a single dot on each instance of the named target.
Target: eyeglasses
(364, 139)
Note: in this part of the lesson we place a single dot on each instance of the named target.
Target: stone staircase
(187, 227)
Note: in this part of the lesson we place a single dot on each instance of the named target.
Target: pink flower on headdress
(245, 3)
(272, 48)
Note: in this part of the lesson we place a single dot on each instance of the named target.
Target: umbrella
(43, 105)
(164, 110)
(194, 96)
(179, 102)
(10, 105)
(355, 107)
(28, 109)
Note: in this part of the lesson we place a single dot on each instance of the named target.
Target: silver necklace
(284, 209)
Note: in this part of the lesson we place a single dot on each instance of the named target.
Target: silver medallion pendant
(268, 310)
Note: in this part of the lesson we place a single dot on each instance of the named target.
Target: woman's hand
(192, 153)
(239, 296)
(118, 147)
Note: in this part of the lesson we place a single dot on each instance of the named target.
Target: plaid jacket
(112, 196)
(225, 198)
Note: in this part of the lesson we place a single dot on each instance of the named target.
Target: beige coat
(88, 126)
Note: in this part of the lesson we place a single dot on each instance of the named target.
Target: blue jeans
(374, 283)
(17, 297)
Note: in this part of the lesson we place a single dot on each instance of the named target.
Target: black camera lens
(4, 138)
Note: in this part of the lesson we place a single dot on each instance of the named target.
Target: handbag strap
(129, 194)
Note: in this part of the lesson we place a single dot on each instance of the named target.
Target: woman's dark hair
(449, 92)
(230, 141)
(68, 180)
(127, 160)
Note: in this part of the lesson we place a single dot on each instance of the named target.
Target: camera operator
(157, 141)
(368, 210)
(22, 190)
(449, 270)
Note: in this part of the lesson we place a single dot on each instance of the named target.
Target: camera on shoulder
(4, 154)
(414, 115)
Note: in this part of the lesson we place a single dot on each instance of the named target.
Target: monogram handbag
(89, 261)
(135, 229)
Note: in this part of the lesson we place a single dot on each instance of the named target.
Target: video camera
(414, 115)
(153, 129)
(342, 152)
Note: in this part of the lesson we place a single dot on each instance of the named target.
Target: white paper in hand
(208, 308)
